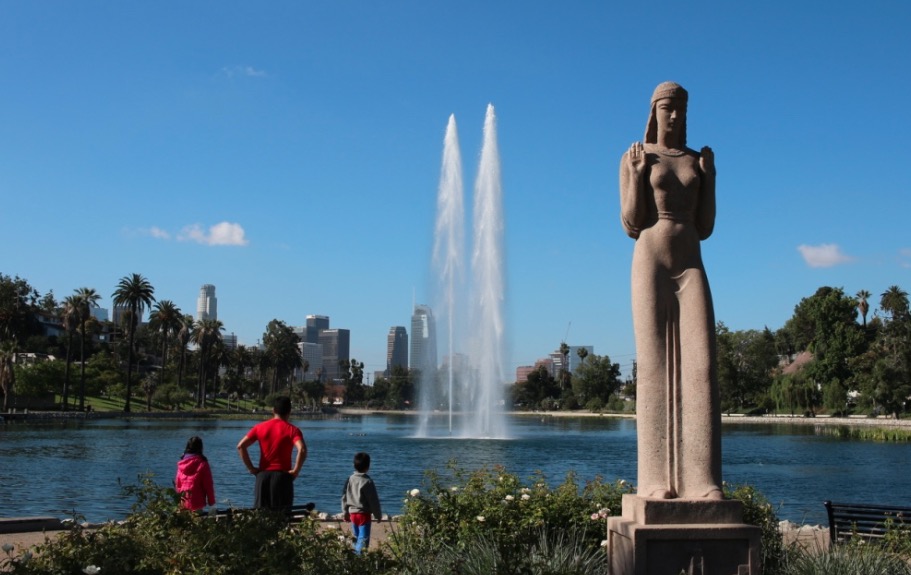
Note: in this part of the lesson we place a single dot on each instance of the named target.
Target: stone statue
(667, 204)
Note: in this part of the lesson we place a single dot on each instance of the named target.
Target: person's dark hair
(194, 446)
(361, 462)
(282, 406)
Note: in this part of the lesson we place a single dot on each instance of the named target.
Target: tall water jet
(471, 382)
(448, 268)
(485, 417)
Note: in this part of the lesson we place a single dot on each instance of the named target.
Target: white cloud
(159, 233)
(221, 234)
(243, 71)
(823, 255)
(904, 257)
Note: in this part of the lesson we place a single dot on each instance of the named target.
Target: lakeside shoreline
(886, 422)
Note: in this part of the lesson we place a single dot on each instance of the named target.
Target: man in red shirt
(274, 475)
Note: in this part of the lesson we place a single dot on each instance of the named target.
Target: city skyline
(290, 154)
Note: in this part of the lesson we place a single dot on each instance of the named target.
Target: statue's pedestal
(674, 536)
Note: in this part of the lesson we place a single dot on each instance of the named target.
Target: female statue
(667, 203)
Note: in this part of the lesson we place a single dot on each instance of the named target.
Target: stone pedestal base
(674, 536)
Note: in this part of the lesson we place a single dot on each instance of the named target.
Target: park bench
(870, 522)
(297, 514)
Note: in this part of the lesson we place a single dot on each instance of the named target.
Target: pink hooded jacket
(194, 481)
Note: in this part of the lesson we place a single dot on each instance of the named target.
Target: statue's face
(670, 113)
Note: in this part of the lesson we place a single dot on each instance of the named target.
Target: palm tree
(7, 375)
(70, 316)
(88, 299)
(564, 372)
(894, 301)
(135, 293)
(862, 304)
(183, 338)
(582, 353)
(205, 333)
(165, 318)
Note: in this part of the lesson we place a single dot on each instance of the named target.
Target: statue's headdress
(663, 91)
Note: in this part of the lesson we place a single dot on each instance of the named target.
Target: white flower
(92, 570)
(25, 557)
(525, 490)
(7, 547)
(595, 517)
(323, 516)
(480, 518)
(453, 488)
(526, 497)
(342, 538)
(509, 498)
(414, 492)
(604, 543)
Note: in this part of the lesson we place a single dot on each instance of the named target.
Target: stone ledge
(649, 511)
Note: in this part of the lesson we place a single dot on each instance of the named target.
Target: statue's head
(664, 91)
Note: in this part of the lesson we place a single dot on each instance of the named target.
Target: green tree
(280, 343)
(183, 338)
(597, 379)
(825, 324)
(18, 304)
(746, 360)
(582, 353)
(165, 319)
(70, 317)
(7, 372)
(564, 369)
(540, 385)
(863, 305)
(205, 334)
(894, 302)
(136, 294)
(88, 299)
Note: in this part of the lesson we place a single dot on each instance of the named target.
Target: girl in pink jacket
(194, 477)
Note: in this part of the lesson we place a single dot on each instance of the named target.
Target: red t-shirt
(276, 439)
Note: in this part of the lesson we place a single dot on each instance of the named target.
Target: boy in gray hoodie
(360, 501)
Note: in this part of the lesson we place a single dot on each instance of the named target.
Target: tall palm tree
(862, 304)
(894, 301)
(564, 372)
(136, 294)
(166, 319)
(183, 338)
(70, 316)
(7, 375)
(205, 333)
(582, 353)
(88, 299)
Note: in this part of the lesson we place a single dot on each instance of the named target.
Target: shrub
(494, 514)
(158, 537)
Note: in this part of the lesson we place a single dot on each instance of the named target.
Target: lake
(54, 468)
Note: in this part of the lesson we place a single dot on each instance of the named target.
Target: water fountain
(473, 386)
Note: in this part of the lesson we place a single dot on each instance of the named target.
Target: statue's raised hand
(707, 160)
(635, 156)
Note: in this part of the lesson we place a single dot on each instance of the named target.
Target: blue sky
(289, 152)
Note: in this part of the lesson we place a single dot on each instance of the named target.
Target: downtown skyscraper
(423, 339)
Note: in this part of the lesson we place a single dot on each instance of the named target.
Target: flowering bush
(457, 509)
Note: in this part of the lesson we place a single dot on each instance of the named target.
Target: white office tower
(207, 304)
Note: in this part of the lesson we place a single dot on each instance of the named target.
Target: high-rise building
(312, 355)
(396, 348)
(423, 339)
(336, 347)
(206, 304)
(315, 324)
(230, 341)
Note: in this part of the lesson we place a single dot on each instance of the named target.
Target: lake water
(56, 468)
